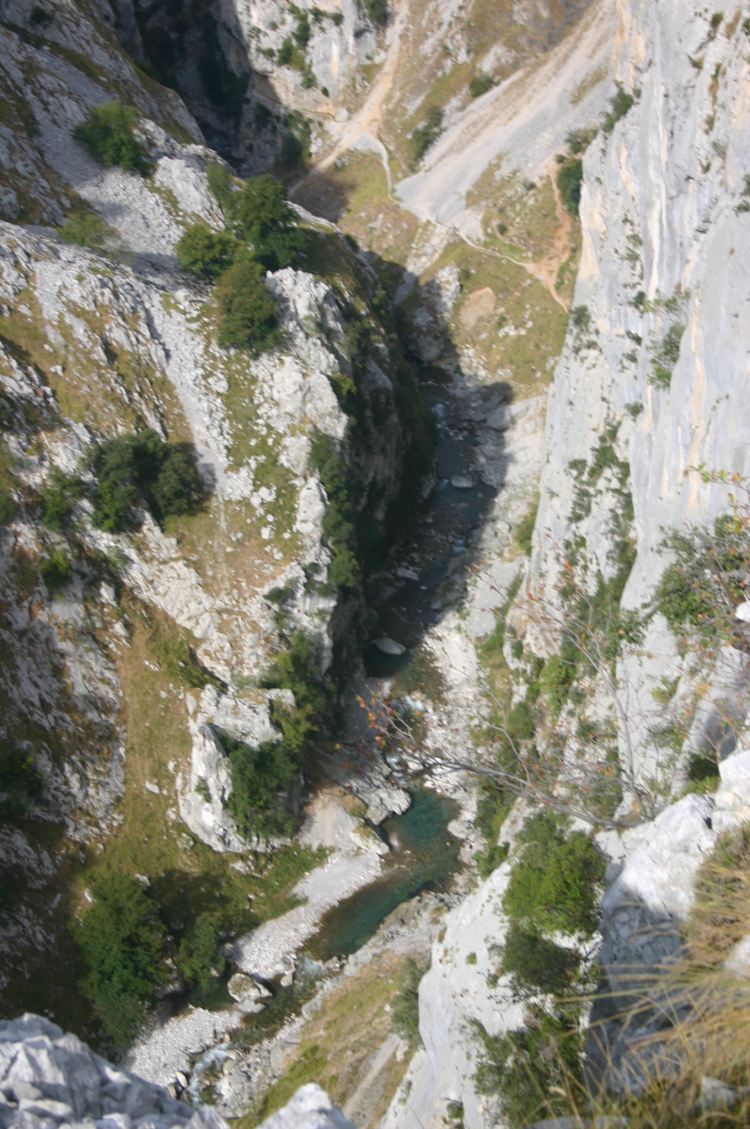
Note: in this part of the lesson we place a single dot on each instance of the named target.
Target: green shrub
(142, 467)
(493, 804)
(176, 658)
(555, 681)
(698, 592)
(107, 133)
(427, 133)
(302, 29)
(7, 504)
(536, 964)
(619, 105)
(87, 230)
(247, 309)
(338, 525)
(56, 571)
(377, 11)
(20, 779)
(480, 84)
(405, 1007)
(555, 883)
(569, 182)
(520, 722)
(667, 357)
(204, 252)
(262, 777)
(220, 185)
(121, 941)
(262, 216)
(525, 528)
(198, 958)
(58, 497)
(531, 1070)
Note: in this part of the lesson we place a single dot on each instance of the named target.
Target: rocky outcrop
(48, 1078)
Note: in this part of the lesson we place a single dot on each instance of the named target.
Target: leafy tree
(121, 941)
(248, 318)
(142, 467)
(20, 779)
(204, 252)
(555, 883)
(107, 133)
(263, 217)
(261, 780)
(198, 956)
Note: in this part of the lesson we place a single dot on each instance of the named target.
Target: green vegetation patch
(556, 882)
(142, 467)
(700, 589)
(108, 136)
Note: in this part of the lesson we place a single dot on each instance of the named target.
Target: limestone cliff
(650, 388)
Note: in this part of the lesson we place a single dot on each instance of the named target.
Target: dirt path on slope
(370, 1091)
(361, 131)
(525, 120)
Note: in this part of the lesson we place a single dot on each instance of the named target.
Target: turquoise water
(424, 857)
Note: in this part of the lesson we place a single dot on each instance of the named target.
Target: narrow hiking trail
(499, 124)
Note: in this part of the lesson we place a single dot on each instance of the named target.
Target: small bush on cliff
(204, 252)
(698, 592)
(87, 230)
(247, 309)
(536, 964)
(20, 779)
(555, 883)
(262, 216)
(107, 133)
(480, 84)
(338, 525)
(198, 958)
(531, 1070)
(569, 182)
(261, 779)
(121, 941)
(142, 467)
(427, 133)
(56, 571)
(405, 1008)
(619, 105)
(58, 497)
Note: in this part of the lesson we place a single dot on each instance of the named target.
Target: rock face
(652, 372)
(49, 1078)
(651, 383)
